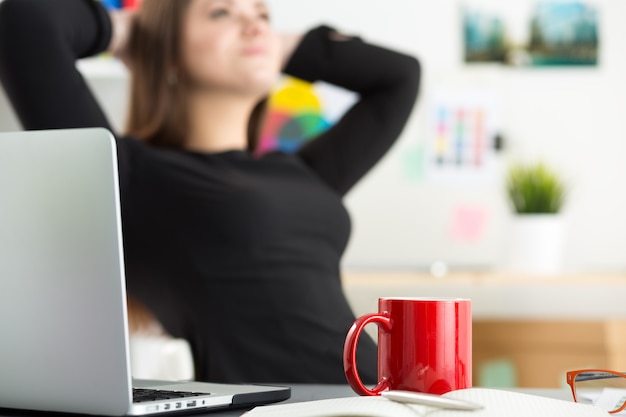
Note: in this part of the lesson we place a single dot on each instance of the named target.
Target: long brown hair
(158, 105)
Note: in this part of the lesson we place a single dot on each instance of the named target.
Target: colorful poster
(463, 135)
(299, 111)
(121, 4)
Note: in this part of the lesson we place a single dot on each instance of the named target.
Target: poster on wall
(122, 4)
(531, 33)
(463, 135)
(299, 111)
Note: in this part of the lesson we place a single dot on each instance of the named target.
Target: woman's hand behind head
(122, 22)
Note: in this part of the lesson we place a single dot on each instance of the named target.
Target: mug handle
(349, 353)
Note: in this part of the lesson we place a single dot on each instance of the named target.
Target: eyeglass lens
(592, 385)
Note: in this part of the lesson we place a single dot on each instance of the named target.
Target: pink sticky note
(469, 223)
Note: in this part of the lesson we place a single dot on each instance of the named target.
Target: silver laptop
(63, 321)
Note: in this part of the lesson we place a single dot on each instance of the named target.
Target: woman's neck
(218, 122)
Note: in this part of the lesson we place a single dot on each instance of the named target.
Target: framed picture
(531, 33)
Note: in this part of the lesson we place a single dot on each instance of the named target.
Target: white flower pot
(534, 244)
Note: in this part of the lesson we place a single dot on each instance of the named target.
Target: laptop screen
(62, 316)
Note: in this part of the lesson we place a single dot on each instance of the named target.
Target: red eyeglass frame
(571, 378)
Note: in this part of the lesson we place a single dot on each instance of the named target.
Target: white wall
(571, 118)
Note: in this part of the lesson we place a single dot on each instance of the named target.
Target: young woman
(238, 254)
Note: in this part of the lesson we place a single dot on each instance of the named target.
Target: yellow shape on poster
(296, 96)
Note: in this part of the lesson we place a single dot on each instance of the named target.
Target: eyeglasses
(589, 384)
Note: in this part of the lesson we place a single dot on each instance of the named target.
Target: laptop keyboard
(141, 395)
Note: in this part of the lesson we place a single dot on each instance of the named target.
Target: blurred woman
(236, 253)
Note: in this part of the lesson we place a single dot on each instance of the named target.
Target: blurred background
(503, 83)
(491, 95)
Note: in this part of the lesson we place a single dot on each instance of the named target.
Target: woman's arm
(387, 83)
(40, 41)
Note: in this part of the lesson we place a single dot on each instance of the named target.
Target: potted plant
(537, 195)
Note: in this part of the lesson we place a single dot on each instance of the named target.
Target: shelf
(498, 296)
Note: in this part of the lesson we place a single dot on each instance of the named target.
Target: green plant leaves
(534, 188)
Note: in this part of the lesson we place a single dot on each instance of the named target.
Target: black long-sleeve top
(237, 254)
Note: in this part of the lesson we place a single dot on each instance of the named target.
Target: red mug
(424, 345)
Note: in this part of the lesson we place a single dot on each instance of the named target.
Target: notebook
(63, 319)
(496, 403)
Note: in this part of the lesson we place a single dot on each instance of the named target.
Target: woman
(235, 253)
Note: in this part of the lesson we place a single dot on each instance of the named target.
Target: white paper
(498, 403)
(611, 399)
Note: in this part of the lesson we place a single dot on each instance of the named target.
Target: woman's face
(229, 46)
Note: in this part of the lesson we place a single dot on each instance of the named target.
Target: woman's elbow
(21, 19)
(412, 74)
(12, 11)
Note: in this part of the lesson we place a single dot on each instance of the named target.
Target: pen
(409, 397)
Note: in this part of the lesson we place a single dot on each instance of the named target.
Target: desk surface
(306, 392)
(302, 392)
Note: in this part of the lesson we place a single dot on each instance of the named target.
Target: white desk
(304, 392)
